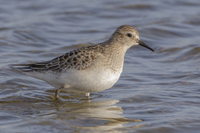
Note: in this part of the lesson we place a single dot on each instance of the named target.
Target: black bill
(144, 45)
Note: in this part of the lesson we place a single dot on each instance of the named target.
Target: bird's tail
(29, 67)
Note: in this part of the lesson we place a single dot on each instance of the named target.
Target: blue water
(157, 91)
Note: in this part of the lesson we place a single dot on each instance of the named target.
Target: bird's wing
(79, 59)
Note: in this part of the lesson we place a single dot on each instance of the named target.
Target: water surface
(157, 91)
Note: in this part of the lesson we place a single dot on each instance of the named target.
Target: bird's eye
(129, 34)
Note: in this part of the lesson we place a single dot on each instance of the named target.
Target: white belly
(89, 81)
(80, 81)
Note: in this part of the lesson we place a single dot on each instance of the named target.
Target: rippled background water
(157, 92)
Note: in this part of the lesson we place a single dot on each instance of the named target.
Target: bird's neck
(114, 56)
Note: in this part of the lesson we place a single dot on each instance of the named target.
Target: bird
(87, 69)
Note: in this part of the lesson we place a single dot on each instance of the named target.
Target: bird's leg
(57, 92)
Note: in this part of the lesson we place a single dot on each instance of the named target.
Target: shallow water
(157, 91)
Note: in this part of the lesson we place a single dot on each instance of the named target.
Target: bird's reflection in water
(92, 114)
(95, 115)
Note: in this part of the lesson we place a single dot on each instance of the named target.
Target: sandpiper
(88, 69)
